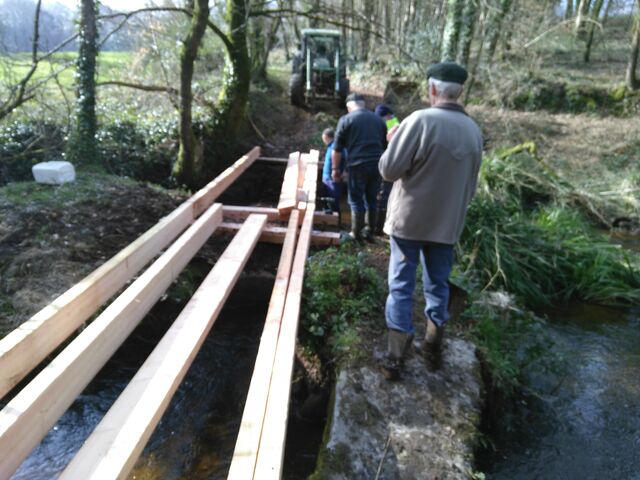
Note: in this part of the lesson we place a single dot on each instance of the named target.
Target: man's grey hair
(358, 103)
(446, 90)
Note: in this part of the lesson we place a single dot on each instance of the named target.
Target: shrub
(23, 144)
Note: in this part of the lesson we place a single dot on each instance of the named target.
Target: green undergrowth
(341, 292)
(530, 232)
(535, 237)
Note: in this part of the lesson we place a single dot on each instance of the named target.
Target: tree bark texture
(467, 29)
(495, 25)
(591, 28)
(184, 169)
(632, 78)
(451, 33)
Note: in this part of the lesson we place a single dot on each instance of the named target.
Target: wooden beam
(239, 213)
(26, 346)
(246, 449)
(235, 213)
(276, 235)
(114, 446)
(272, 439)
(273, 159)
(289, 191)
(27, 418)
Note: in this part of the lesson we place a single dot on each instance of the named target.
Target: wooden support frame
(27, 418)
(235, 213)
(272, 439)
(114, 446)
(26, 346)
(276, 235)
(246, 449)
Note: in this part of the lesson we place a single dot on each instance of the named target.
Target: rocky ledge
(421, 427)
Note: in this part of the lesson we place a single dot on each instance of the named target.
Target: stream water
(197, 434)
(586, 425)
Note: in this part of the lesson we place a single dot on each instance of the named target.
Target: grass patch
(86, 187)
(340, 292)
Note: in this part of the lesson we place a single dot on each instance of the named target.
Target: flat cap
(354, 97)
(447, 72)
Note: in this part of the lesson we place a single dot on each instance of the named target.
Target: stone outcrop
(421, 427)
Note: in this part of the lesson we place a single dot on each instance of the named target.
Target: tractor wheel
(343, 92)
(296, 89)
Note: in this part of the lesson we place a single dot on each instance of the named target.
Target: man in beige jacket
(433, 160)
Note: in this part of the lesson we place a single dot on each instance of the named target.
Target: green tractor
(319, 70)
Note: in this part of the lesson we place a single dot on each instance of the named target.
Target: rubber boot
(380, 218)
(431, 347)
(370, 223)
(398, 344)
(357, 225)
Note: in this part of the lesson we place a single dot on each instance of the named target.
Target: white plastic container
(54, 173)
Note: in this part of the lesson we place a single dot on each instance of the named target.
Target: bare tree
(451, 33)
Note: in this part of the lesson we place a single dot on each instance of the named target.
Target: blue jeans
(383, 195)
(437, 260)
(364, 182)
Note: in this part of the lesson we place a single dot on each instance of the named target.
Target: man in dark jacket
(363, 134)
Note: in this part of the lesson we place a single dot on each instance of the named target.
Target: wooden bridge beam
(114, 446)
(270, 454)
(27, 418)
(246, 449)
(26, 346)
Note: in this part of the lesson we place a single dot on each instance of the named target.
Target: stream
(587, 423)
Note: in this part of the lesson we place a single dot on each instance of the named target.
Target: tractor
(319, 70)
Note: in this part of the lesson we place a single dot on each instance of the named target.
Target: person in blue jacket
(333, 188)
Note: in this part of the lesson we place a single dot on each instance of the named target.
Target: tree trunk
(467, 30)
(451, 33)
(81, 146)
(495, 24)
(184, 169)
(261, 71)
(597, 7)
(232, 102)
(582, 11)
(568, 13)
(632, 78)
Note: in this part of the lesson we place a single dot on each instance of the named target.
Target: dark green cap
(447, 72)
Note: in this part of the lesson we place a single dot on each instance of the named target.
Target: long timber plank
(273, 436)
(112, 449)
(27, 418)
(246, 449)
(26, 346)
(274, 428)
